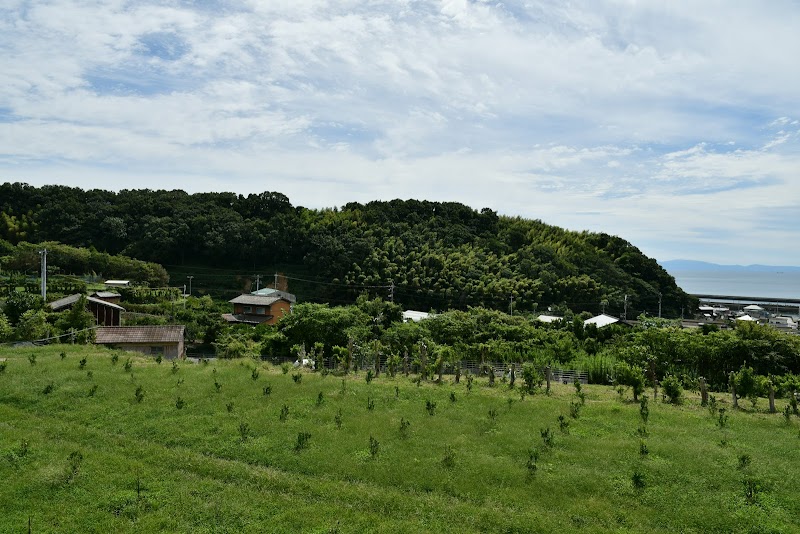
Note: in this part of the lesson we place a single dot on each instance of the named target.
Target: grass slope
(72, 462)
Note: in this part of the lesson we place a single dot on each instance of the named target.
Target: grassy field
(204, 449)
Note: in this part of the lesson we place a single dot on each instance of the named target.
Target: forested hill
(437, 255)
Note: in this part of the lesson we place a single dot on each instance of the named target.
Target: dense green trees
(438, 255)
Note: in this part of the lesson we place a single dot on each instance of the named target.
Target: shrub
(139, 394)
(284, 413)
(787, 414)
(92, 390)
(175, 367)
(302, 441)
(159, 359)
(48, 389)
(370, 376)
(531, 377)
(631, 376)
(374, 447)
(452, 396)
(470, 378)
(752, 489)
(672, 389)
(73, 465)
(267, 390)
(722, 419)
(114, 359)
(285, 367)
(297, 377)
(404, 424)
(712, 405)
(430, 407)
(644, 410)
(638, 480)
(744, 461)
(3, 367)
(574, 409)
(563, 424)
(82, 363)
(492, 415)
(320, 399)
(531, 464)
(244, 430)
(338, 418)
(32, 359)
(179, 403)
(63, 354)
(229, 406)
(643, 450)
(127, 365)
(217, 385)
(370, 403)
(547, 437)
(89, 374)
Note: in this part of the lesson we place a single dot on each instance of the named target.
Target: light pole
(190, 284)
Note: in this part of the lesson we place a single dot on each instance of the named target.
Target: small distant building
(258, 308)
(745, 318)
(165, 341)
(600, 321)
(755, 311)
(117, 283)
(549, 318)
(783, 322)
(414, 316)
(105, 313)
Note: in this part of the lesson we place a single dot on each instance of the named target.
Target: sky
(675, 125)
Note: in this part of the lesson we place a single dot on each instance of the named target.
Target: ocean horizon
(761, 285)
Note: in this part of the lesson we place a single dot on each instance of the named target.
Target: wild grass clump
(532, 463)
(320, 399)
(3, 366)
(175, 367)
(48, 389)
(284, 368)
(370, 404)
(229, 407)
(128, 365)
(32, 359)
(297, 377)
(254, 374)
(82, 363)
(337, 419)
(114, 358)
(452, 396)
(139, 394)
(449, 458)
(638, 480)
(643, 449)
(92, 390)
(284, 413)
(563, 424)
(744, 461)
(217, 386)
(267, 390)
(180, 403)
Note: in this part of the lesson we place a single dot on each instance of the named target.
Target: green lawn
(225, 462)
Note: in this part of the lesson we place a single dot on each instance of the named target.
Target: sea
(761, 285)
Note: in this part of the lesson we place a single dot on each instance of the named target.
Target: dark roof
(72, 299)
(106, 294)
(107, 335)
(246, 318)
(256, 300)
(270, 292)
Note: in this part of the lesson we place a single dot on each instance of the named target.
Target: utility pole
(511, 305)
(659, 305)
(258, 282)
(190, 284)
(43, 254)
(391, 291)
(276, 280)
(625, 312)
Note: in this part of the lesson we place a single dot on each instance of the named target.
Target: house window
(261, 310)
(155, 351)
(248, 309)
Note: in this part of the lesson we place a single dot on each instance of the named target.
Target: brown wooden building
(256, 309)
(105, 313)
(165, 341)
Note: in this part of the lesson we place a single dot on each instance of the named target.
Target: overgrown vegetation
(77, 463)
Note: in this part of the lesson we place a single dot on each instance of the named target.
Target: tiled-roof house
(257, 308)
(166, 341)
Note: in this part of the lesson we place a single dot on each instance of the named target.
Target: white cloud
(610, 115)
